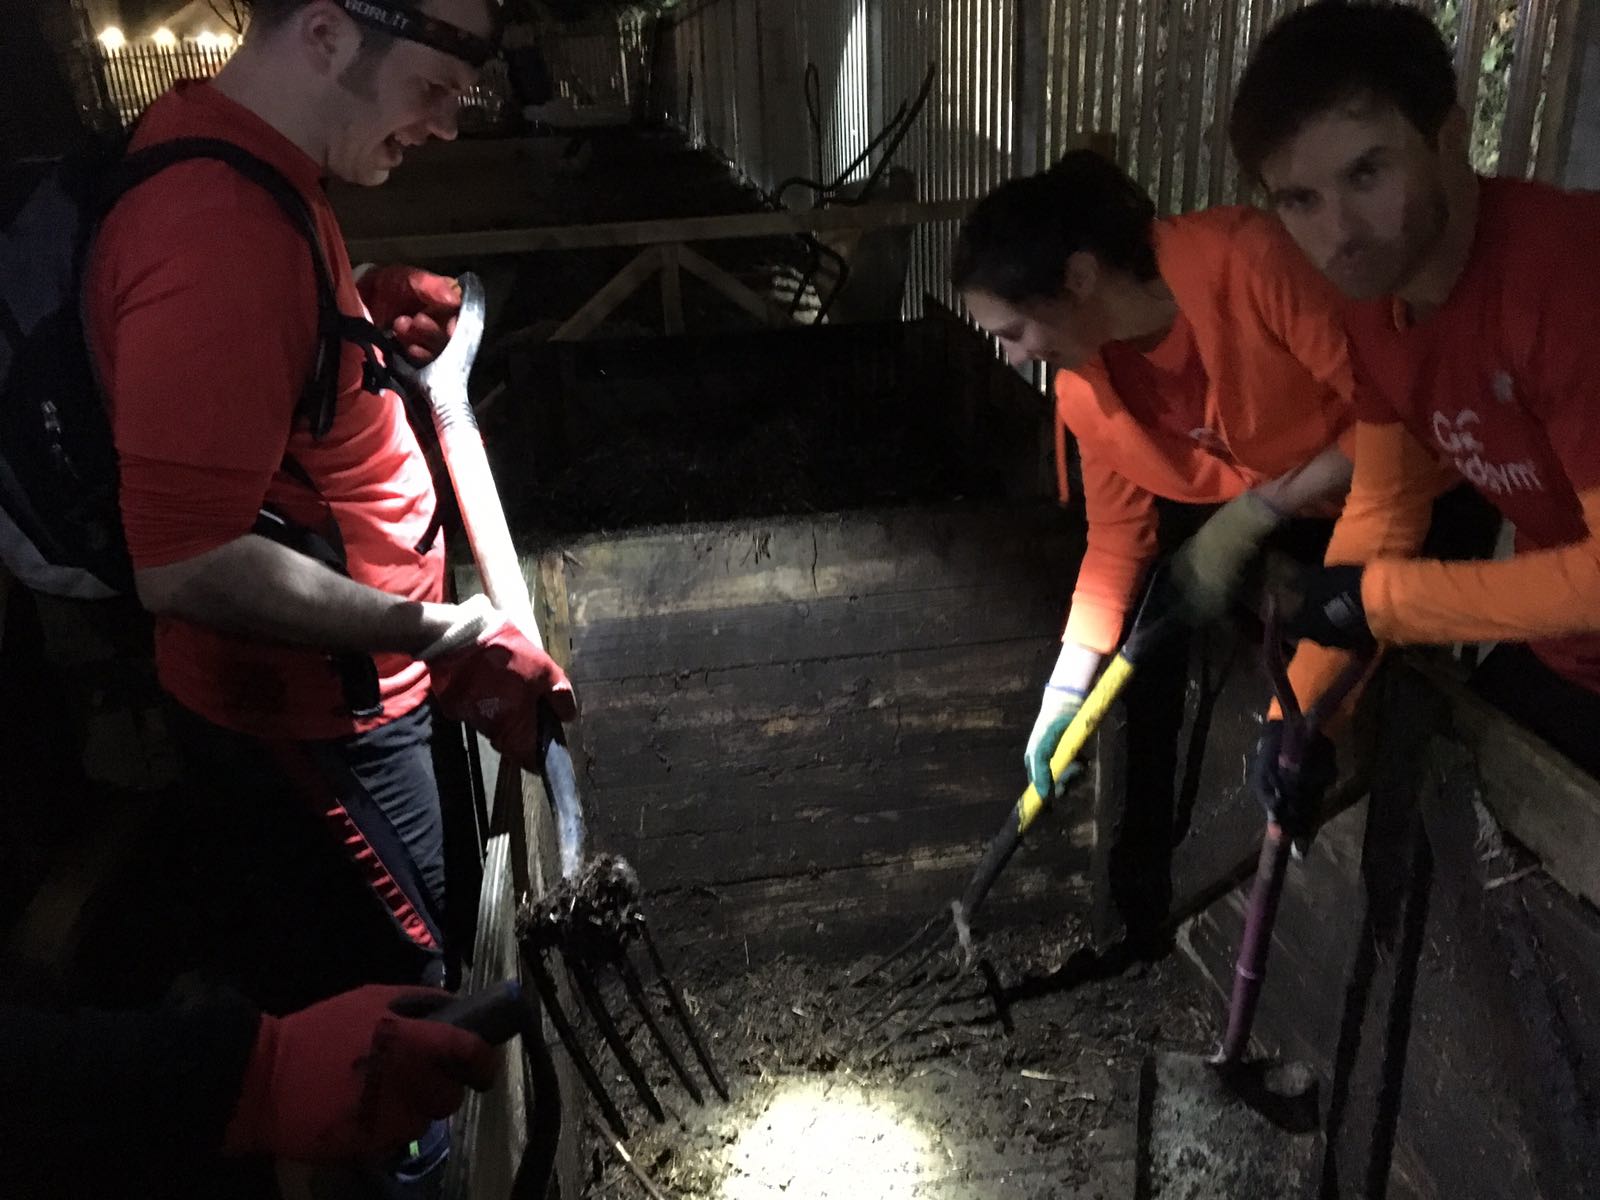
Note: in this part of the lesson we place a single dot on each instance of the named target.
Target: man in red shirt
(294, 571)
(1472, 326)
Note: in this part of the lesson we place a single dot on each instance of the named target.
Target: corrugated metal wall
(1020, 81)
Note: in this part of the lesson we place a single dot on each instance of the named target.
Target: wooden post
(671, 290)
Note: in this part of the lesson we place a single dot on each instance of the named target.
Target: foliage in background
(1494, 76)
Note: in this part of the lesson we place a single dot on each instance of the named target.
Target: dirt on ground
(1025, 1085)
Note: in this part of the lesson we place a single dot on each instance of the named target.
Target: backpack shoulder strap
(139, 166)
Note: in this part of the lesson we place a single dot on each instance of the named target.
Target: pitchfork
(592, 920)
(925, 972)
(1299, 731)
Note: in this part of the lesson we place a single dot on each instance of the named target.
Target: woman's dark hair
(1016, 242)
(1330, 54)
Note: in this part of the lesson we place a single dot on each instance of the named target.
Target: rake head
(908, 985)
(593, 926)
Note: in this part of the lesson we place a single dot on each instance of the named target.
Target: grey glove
(1208, 568)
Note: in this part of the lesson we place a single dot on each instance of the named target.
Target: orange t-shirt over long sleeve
(1500, 387)
(1253, 381)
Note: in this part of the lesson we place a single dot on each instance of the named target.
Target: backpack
(60, 527)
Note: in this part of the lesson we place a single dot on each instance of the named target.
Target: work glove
(1060, 705)
(354, 1077)
(417, 306)
(1208, 568)
(1292, 798)
(489, 674)
(1328, 609)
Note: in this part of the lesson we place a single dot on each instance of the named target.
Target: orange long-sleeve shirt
(1502, 388)
(1253, 381)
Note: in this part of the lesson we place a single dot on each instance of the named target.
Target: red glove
(350, 1078)
(418, 307)
(487, 673)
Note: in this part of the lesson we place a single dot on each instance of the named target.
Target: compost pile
(1039, 1103)
(591, 912)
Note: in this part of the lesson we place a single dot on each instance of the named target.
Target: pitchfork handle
(496, 1014)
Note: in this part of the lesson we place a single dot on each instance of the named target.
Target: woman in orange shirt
(1199, 358)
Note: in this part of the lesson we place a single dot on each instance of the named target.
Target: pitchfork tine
(546, 986)
(899, 981)
(904, 948)
(641, 1004)
(686, 1021)
(915, 1025)
(905, 1000)
(614, 1039)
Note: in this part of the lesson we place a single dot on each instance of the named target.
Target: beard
(1369, 268)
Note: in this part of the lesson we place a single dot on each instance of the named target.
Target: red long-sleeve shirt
(201, 308)
(1500, 387)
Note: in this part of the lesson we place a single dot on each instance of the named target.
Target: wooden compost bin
(1434, 959)
(800, 725)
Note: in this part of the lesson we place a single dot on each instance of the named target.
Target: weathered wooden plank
(465, 244)
(620, 753)
(861, 911)
(1543, 800)
(812, 630)
(886, 677)
(699, 568)
(863, 791)
(806, 847)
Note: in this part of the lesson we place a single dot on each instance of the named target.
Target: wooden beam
(729, 227)
(604, 302)
(730, 289)
(671, 289)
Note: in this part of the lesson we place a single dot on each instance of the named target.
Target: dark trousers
(324, 860)
(1561, 712)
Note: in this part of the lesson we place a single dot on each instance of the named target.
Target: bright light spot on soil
(164, 37)
(113, 38)
(828, 1142)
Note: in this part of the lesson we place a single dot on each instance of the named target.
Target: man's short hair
(1330, 54)
(1015, 244)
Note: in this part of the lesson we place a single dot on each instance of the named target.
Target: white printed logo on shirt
(1458, 440)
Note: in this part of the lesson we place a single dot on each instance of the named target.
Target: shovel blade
(1249, 1131)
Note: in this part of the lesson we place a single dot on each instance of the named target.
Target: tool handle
(496, 1014)
(561, 785)
(499, 568)
(1087, 719)
(1250, 967)
(468, 465)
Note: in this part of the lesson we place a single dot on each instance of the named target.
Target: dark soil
(1034, 1098)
